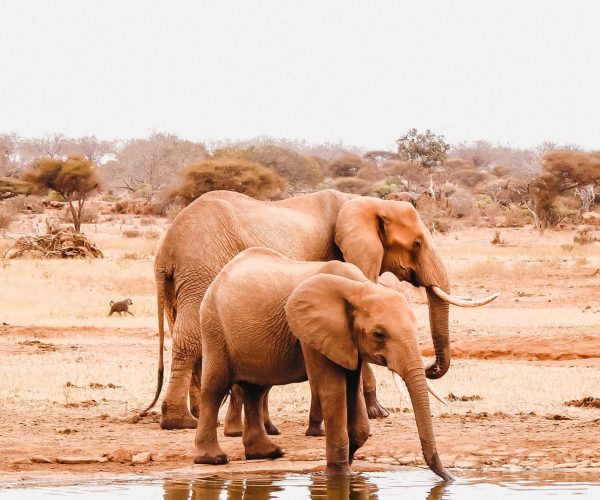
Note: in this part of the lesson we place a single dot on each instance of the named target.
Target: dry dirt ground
(72, 378)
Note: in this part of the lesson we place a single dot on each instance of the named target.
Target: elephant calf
(270, 320)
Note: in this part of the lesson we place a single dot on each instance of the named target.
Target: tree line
(547, 181)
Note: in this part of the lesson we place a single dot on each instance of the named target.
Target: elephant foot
(221, 458)
(374, 409)
(338, 470)
(172, 419)
(233, 430)
(256, 454)
(271, 429)
(315, 428)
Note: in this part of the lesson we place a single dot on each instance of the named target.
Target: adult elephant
(376, 235)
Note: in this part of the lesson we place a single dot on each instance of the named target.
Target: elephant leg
(374, 409)
(330, 383)
(207, 448)
(269, 425)
(315, 417)
(233, 419)
(187, 348)
(195, 388)
(358, 419)
(256, 442)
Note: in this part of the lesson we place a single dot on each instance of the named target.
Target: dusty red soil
(92, 429)
(485, 346)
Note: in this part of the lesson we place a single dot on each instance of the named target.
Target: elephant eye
(417, 244)
(379, 335)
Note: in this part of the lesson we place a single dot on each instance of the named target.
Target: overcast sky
(358, 72)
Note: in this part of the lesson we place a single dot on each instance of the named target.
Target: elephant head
(380, 235)
(347, 320)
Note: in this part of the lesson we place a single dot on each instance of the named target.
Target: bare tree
(9, 147)
(90, 147)
(155, 161)
(47, 146)
(587, 195)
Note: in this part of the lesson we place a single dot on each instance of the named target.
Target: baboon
(121, 307)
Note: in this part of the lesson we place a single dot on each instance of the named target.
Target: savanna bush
(353, 185)
(231, 174)
(584, 236)
(89, 215)
(460, 203)
(515, 217)
(492, 212)
(26, 203)
(347, 165)
(386, 187)
(301, 172)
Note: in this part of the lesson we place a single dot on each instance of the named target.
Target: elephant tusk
(433, 392)
(463, 301)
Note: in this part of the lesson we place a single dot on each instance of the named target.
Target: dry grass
(128, 362)
(73, 292)
(77, 292)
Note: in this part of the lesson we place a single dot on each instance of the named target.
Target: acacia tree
(231, 174)
(74, 179)
(563, 171)
(426, 149)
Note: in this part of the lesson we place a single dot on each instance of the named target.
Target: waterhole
(409, 485)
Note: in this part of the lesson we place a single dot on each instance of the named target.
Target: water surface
(376, 485)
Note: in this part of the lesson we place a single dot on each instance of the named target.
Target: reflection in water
(417, 484)
(315, 486)
(437, 491)
(341, 488)
(374, 486)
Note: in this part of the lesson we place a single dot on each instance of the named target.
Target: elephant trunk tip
(435, 370)
(435, 464)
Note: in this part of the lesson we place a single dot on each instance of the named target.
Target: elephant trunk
(415, 381)
(431, 273)
(438, 321)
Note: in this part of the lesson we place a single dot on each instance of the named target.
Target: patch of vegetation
(584, 236)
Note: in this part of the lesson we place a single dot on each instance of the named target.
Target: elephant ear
(389, 280)
(359, 234)
(318, 315)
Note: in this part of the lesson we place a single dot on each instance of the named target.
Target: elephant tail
(160, 300)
